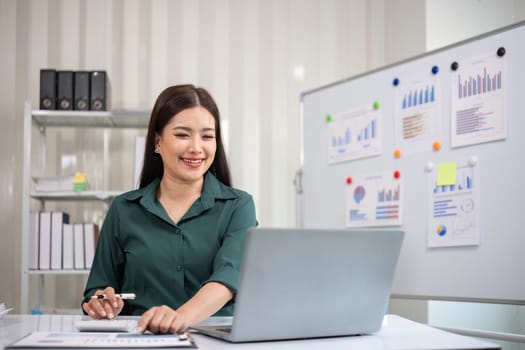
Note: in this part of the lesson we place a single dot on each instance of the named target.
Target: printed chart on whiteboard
(417, 114)
(374, 200)
(354, 134)
(453, 218)
(478, 106)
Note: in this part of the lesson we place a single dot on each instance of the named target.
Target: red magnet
(397, 174)
(349, 180)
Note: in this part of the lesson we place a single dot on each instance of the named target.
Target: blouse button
(179, 268)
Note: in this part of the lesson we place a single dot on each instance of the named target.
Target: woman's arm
(106, 270)
(207, 301)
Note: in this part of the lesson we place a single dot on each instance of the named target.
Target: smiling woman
(187, 145)
(185, 214)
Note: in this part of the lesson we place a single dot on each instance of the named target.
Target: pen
(123, 296)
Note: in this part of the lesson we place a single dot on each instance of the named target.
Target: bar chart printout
(478, 84)
(453, 217)
(417, 113)
(374, 200)
(478, 94)
(354, 134)
(419, 96)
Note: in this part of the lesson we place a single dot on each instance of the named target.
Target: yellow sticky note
(446, 174)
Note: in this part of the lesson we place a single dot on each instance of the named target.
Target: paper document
(68, 340)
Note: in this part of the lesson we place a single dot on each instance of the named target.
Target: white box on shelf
(58, 219)
(44, 255)
(90, 243)
(78, 237)
(34, 234)
(68, 248)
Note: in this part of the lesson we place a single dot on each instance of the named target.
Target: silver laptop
(307, 283)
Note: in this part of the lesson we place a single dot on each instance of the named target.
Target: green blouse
(141, 250)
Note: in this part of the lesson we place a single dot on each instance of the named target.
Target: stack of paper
(54, 184)
(3, 310)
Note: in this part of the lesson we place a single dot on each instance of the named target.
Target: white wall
(405, 29)
(450, 21)
(10, 187)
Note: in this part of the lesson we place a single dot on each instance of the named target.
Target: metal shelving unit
(86, 119)
(44, 119)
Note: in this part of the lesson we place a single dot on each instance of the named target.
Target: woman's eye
(182, 135)
(208, 137)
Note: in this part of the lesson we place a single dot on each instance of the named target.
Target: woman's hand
(109, 307)
(163, 319)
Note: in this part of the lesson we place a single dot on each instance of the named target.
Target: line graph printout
(478, 106)
(374, 200)
(453, 209)
(354, 134)
(417, 115)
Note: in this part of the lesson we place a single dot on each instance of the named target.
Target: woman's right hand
(109, 307)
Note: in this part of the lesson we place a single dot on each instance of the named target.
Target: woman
(177, 241)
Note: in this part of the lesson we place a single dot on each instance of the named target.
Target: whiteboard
(494, 269)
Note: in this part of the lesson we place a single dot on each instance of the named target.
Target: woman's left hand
(163, 319)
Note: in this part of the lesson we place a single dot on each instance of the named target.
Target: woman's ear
(157, 141)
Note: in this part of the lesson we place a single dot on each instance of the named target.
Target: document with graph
(85, 340)
(453, 210)
(374, 199)
(354, 134)
(478, 101)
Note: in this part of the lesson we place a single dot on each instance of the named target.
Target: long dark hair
(171, 101)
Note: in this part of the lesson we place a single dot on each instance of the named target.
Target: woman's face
(187, 145)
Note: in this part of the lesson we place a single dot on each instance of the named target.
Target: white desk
(396, 333)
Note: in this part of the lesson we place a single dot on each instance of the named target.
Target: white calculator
(115, 325)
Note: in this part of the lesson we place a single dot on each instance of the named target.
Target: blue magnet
(395, 82)
(435, 70)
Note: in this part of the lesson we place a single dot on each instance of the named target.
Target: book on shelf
(34, 235)
(58, 219)
(86, 237)
(78, 237)
(68, 247)
(55, 244)
(44, 253)
(90, 243)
